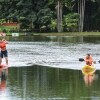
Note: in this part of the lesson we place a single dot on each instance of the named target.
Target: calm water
(49, 69)
(45, 83)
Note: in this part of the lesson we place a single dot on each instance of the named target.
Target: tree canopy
(41, 15)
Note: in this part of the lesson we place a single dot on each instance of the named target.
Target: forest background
(50, 15)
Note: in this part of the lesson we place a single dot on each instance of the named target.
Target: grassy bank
(60, 34)
(69, 34)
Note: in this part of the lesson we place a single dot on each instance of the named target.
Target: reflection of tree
(81, 39)
(38, 82)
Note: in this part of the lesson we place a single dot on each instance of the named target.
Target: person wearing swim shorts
(4, 52)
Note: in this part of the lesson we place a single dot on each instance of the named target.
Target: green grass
(69, 34)
(9, 28)
(65, 34)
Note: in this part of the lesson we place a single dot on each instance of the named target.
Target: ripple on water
(51, 54)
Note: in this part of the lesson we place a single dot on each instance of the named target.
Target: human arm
(5, 41)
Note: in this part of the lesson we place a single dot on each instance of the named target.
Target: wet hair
(88, 54)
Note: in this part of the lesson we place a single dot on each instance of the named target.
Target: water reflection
(44, 83)
(89, 79)
(39, 38)
(3, 83)
(69, 39)
(3, 78)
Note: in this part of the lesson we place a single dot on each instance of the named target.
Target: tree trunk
(81, 11)
(59, 16)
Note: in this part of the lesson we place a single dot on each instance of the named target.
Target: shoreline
(60, 34)
(70, 34)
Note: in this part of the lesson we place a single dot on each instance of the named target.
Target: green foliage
(41, 14)
(53, 24)
(8, 29)
(44, 18)
(70, 22)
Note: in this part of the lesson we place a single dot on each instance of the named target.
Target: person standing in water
(4, 52)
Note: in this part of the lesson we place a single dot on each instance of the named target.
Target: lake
(48, 68)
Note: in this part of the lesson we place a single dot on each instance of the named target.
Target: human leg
(1, 56)
(0, 60)
(6, 56)
(6, 59)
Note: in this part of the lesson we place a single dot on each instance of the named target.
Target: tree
(70, 22)
(37, 14)
(81, 10)
(59, 8)
(59, 15)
